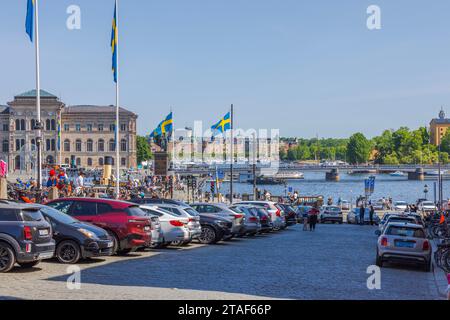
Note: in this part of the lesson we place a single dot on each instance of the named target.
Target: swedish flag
(114, 41)
(164, 128)
(29, 23)
(224, 124)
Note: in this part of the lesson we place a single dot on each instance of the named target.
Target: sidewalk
(440, 277)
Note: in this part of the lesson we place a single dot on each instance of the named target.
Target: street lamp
(425, 191)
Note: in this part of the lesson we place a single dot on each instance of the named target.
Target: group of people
(311, 217)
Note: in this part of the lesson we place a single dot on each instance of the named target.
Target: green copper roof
(32, 94)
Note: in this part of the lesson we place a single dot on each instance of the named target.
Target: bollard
(53, 194)
(3, 189)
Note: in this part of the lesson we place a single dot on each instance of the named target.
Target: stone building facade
(87, 134)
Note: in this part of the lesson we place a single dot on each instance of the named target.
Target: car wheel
(7, 258)
(208, 235)
(177, 243)
(379, 261)
(124, 252)
(68, 252)
(29, 265)
(155, 245)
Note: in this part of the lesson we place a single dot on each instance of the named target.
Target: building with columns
(87, 133)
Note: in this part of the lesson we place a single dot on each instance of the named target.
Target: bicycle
(442, 255)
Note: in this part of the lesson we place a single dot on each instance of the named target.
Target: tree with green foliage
(143, 149)
(358, 149)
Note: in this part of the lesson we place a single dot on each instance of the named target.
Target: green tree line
(402, 146)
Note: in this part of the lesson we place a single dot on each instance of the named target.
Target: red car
(127, 224)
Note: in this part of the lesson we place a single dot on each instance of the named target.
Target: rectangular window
(66, 127)
(123, 127)
(100, 127)
(89, 127)
(78, 127)
(5, 127)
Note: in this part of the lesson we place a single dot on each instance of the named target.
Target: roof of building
(32, 94)
(442, 119)
(94, 109)
(4, 109)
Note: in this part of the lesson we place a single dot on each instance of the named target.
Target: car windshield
(58, 216)
(32, 215)
(237, 209)
(135, 212)
(428, 203)
(333, 209)
(402, 219)
(191, 212)
(405, 232)
(400, 203)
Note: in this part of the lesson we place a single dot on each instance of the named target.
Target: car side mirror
(378, 233)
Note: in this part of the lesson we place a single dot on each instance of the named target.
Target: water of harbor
(349, 188)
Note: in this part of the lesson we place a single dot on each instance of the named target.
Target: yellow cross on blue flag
(223, 125)
(29, 23)
(164, 128)
(114, 41)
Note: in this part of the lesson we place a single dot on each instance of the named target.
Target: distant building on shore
(438, 128)
(87, 133)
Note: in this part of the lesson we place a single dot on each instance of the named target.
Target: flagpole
(117, 105)
(38, 97)
(232, 155)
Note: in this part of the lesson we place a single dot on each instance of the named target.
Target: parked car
(222, 210)
(353, 217)
(379, 204)
(400, 206)
(275, 213)
(331, 214)
(157, 234)
(427, 206)
(344, 205)
(76, 240)
(264, 219)
(397, 218)
(252, 223)
(301, 211)
(214, 228)
(405, 243)
(174, 229)
(289, 214)
(25, 236)
(152, 201)
(126, 223)
(193, 217)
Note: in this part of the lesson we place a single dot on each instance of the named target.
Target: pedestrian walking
(305, 220)
(313, 214)
(371, 214)
(362, 211)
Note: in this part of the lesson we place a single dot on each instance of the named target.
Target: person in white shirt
(79, 183)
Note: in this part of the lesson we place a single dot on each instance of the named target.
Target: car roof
(115, 203)
(5, 204)
(405, 224)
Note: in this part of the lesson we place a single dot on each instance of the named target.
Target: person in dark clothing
(371, 214)
(362, 211)
(312, 217)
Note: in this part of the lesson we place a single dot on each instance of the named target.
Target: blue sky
(305, 67)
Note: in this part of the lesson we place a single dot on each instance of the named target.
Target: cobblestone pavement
(328, 264)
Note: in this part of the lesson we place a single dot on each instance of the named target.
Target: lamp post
(425, 191)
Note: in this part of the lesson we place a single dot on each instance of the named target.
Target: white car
(345, 205)
(276, 214)
(173, 228)
(400, 206)
(427, 206)
(186, 212)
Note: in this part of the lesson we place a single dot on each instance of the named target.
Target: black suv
(25, 236)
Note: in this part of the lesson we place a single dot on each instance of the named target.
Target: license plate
(43, 233)
(403, 244)
(110, 244)
(46, 255)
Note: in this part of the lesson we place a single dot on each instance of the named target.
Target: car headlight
(87, 233)
(221, 223)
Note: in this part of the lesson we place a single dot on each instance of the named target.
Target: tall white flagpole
(38, 97)
(117, 105)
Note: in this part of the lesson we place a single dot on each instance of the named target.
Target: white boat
(436, 173)
(397, 174)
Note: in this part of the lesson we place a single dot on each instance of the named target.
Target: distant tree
(283, 154)
(291, 155)
(143, 149)
(445, 143)
(303, 152)
(391, 159)
(358, 149)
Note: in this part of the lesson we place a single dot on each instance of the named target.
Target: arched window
(100, 162)
(53, 145)
(67, 145)
(22, 125)
(123, 145)
(53, 125)
(112, 145)
(90, 146)
(33, 142)
(5, 146)
(17, 163)
(47, 125)
(47, 145)
(89, 162)
(33, 124)
(101, 145)
(78, 145)
(50, 160)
